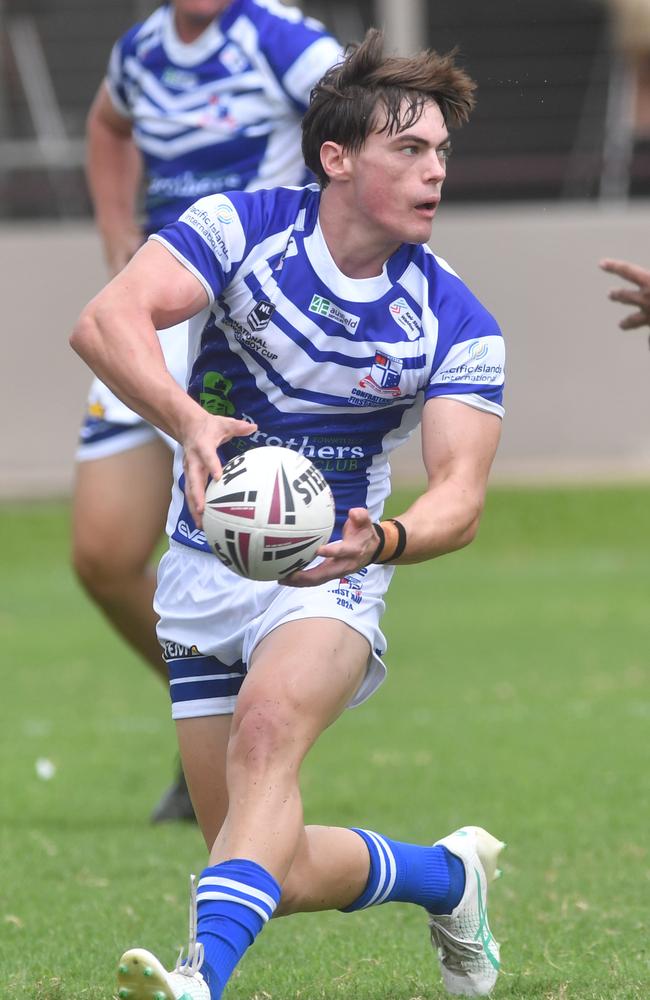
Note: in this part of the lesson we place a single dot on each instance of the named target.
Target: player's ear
(335, 161)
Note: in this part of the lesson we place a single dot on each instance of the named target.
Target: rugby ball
(269, 513)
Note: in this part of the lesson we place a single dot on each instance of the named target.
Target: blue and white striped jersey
(335, 367)
(223, 112)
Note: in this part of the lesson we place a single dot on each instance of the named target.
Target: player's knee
(262, 736)
(100, 567)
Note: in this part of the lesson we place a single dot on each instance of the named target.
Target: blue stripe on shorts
(195, 677)
(94, 430)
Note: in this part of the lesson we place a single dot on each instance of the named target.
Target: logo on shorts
(175, 651)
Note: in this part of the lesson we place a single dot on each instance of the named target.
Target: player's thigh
(302, 675)
(203, 744)
(120, 504)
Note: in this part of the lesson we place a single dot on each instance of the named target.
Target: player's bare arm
(116, 336)
(638, 297)
(113, 170)
(459, 443)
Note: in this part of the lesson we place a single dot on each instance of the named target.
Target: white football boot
(140, 976)
(468, 954)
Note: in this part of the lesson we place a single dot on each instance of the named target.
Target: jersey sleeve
(299, 51)
(212, 238)
(115, 75)
(469, 362)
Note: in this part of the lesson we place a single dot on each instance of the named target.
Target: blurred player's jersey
(335, 367)
(223, 112)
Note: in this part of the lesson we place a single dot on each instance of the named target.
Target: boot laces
(191, 965)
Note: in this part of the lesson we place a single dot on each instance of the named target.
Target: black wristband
(401, 538)
(382, 541)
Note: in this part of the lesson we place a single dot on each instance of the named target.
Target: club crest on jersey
(258, 318)
(405, 318)
(384, 376)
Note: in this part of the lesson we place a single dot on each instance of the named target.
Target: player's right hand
(201, 437)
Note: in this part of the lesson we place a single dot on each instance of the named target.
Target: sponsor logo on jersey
(479, 361)
(179, 79)
(381, 385)
(233, 58)
(477, 350)
(258, 318)
(405, 317)
(191, 185)
(214, 397)
(202, 222)
(225, 214)
(323, 307)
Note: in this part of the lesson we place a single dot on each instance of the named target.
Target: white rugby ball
(268, 513)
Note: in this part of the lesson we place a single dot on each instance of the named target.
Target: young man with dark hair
(368, 334)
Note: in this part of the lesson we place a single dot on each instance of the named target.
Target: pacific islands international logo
(384, 376)
(477, 350)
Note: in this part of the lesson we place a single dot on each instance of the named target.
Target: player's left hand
(355, 549)
(638, 297)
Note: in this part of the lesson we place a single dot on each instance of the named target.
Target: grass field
(518, 698)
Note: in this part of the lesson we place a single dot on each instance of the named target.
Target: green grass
(518, 697)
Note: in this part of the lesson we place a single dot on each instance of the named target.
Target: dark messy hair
(347, 102)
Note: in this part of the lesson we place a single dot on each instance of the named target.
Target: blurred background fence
(552, 173)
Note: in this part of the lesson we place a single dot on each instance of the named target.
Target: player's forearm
(113, 170)
(443, 519)
(123, 350)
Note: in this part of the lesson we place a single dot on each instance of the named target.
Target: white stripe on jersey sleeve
(185, 262)
(310, 67)
(478, 402)
(113, 79)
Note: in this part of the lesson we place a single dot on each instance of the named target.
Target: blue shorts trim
(195, 679)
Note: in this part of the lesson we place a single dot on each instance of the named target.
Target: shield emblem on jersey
(384, 375)
(259, 317)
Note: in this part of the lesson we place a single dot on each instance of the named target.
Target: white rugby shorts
(109, 426)
(211, 620)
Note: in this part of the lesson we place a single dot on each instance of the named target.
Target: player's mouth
(427, 208)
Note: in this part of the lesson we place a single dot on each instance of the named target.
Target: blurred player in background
(205, 95)
(321, 317)
(638, 298)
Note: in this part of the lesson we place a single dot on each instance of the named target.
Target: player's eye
(444, 152)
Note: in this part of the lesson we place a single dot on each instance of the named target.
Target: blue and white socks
(432, 877)
(234, 900)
